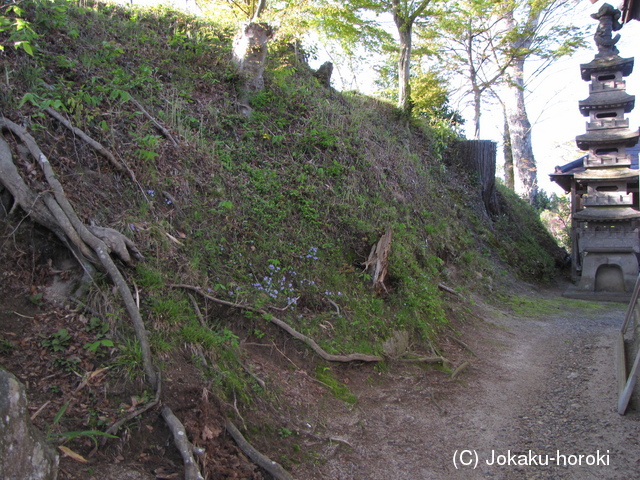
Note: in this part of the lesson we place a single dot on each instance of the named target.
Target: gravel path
(538, 403)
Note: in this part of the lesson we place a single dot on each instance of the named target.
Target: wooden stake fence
(627, 382)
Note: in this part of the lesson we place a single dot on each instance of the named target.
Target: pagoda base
(606, 276)
(618, 297)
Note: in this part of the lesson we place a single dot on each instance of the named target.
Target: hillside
(239, 221)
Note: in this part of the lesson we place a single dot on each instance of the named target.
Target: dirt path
(542, 390)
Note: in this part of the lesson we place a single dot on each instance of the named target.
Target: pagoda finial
(609, 22)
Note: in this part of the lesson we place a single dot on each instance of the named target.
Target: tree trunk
(249, 54)
(508, 155)
(477, 107)
(475, 88)
(526, 173)
(404, 65)
(479, 157)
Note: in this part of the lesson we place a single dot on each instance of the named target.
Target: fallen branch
(273, 468)
(197, 309)
(362, 357)
(254, 376)
(163, 130)
(450, 290)
(191, 470)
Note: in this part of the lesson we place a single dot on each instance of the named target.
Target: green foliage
(14, 29)
(555, 214)
(99, 345)
(147, 144)
(195, 333)
(537, 308)
(96, 326)
(57, 342)
(339, 389)
(148, 277)
(530, 247)
(284, 432)
(53, 436)
(129, 359)
(6, 347)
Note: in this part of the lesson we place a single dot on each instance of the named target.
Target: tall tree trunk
(404, 65)
(477, 111)
(475, 88)
(405, 13)
(526, 178)
(508, 155)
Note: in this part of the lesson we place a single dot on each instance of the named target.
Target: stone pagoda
(603, 184)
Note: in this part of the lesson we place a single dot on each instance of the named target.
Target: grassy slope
(274, 211)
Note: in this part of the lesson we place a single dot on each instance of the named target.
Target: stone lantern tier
(607, 141)
(607, 100)
(604, 66)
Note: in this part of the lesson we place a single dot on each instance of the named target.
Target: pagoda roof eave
(607, 214)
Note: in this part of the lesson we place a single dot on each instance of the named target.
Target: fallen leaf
(71, 454)
(209, 434)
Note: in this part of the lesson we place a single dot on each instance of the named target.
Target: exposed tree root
(117, 243)
(274, 468)
(52, 209)
(260, 382)
(354, 357)
(95, 145)
(463, 345)
(197, 309)
(113, 429)
(80, 236)
(460, 369)
(191, 471)
(24, 197)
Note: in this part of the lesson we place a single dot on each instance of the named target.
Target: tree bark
(249, 54)
(477, 110)
(508, 156)
(526, 172)
(404, 66)
(479, 157)
(275, 469)
(404, 17)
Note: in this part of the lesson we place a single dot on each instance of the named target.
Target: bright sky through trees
(552, 100)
